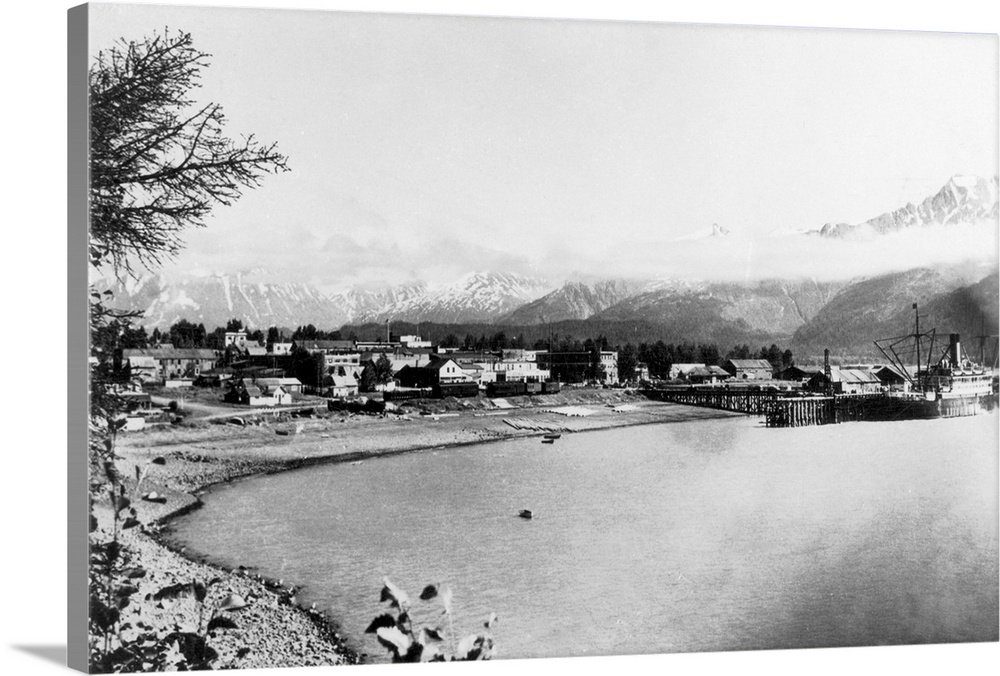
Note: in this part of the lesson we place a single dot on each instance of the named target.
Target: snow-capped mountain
(963, 199)
(581, 299)
(714, 232)
(475, 297)
(791, 231)
(768, 306)
(362, 304)
(259, 301)
(214, 300)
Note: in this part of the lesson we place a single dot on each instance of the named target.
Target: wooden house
(339, 385)
(250, 394)
(796, 374)
(438, 372)
(215, 377)
(845, 380)
(681, 370)
(173, 363)
(289, 385)
(707, 375)
(136, 401)
(143, 368)
(749, 369)
(446, 371)
(890, 377)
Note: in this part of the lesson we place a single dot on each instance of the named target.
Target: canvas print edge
(75, 351)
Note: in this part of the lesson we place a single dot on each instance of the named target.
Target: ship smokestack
(955, 349)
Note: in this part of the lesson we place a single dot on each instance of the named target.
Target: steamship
(950, 386)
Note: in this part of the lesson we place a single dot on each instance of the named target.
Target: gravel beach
(198, 454)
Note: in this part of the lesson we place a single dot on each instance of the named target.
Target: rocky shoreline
(277, 631)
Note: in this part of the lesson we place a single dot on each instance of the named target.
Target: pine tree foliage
(160, 161)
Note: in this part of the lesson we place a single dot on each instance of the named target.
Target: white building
(281, 349)
(345, 359)
(510, 371)
(609, 360)
(414, 341)
(678, 370)
(236, 339)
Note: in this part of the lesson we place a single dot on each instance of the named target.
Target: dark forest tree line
(310, 332)
(659, 357)
(185, 334)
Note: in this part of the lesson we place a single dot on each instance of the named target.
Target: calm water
(709, 535)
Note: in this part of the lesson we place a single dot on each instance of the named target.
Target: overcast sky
(424, 147)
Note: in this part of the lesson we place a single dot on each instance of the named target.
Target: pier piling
(784, 409)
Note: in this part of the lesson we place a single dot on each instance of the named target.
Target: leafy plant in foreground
(408, 642)
(122, 646)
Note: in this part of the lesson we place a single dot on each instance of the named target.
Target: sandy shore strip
(276, 630)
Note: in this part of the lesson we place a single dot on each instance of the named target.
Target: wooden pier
(778, 408)
(787, 409)
(753, 402)
(801, 411)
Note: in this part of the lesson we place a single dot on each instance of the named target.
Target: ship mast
(891, 348)
(984, 339)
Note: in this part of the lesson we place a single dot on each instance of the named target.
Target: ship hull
(945, 407)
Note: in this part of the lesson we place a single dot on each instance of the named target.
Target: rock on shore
(270, 630)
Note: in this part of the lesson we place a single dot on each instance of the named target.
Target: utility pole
(827, 372)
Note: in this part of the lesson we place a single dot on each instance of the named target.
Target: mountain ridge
(963, 199)
(476, 296)
(788, 307)
(881, 306)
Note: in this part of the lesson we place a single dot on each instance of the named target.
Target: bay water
(693, 536)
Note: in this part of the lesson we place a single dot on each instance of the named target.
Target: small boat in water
(552, 436)
(548, 441)
(525, 514)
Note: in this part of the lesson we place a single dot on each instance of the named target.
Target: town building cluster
(408, 366)
(257, 375)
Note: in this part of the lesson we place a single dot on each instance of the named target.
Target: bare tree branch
(157, 168)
